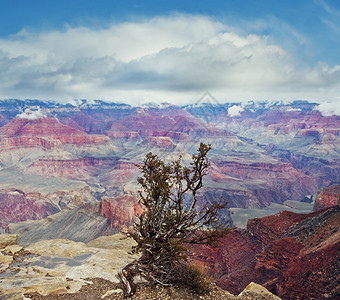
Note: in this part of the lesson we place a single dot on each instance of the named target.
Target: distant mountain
(70, 171)
(262, 153)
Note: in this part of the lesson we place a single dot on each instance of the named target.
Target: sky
(171, 51)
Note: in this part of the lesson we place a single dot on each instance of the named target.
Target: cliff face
(29, 142)
(121, 211)
(17, 206)
(249, 184)
(327, 197)
(264, 155)
(267, 154)
(81, 169)
(160, 142)
(65, 269)
(48, 133)
(293, 255)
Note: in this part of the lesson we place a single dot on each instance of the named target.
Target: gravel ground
(100, 287)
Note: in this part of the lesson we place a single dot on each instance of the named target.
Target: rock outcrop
(268, 154)
(44, 132)
(121, 211)
(295, 256)
(17, 206)
(161, 142)
(87, 168)
(7, 240)
(79, 224)
(59, 266)
(67, 269)
(327, 197)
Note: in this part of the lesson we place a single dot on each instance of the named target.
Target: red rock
(161, 142)
(121, 211)
(270, 171)
(29, 142)
(123, 175)
(48, 133)
(81, 169)
(295, 256)
(44, 127)
(327, 197)
(17, 206)
(172, 122)
(273, 227)
(231, 264)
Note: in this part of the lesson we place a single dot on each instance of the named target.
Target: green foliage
(192, 276)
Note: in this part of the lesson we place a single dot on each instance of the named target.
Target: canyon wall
(295, 256)
(327, 197)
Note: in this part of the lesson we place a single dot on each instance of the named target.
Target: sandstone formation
(79, 168)
(295, 256)
(7, 240)
(62, 166)
(60, 267)
(327, 197)
(121, 211)
(268, 154)
(254, 290)
(17, 206)
(79, 224)
(44, 132)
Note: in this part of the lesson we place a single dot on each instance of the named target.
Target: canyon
(99, 146)
(295, 256)
(70, 172)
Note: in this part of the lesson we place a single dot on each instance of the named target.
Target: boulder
(256, 291)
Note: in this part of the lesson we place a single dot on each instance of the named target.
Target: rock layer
(16, 206)
(47, 133)
(121, 211)
(327, 197)
(66, 269)
(295, 256)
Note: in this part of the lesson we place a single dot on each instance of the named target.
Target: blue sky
(136, 51)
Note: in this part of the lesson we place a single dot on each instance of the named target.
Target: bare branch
(165, 225)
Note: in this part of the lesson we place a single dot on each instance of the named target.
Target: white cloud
(173, 59)
(329, 108)
(31, 114)
(235, 111)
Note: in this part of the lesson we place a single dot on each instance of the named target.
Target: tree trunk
(126, 275)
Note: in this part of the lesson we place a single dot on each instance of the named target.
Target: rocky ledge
(63, 269)
(295, 256)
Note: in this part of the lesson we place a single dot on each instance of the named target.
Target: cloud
(31, 114)
(332, 17)
(235, 111)
(329, 109)
(173, 59)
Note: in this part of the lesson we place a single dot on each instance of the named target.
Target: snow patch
(294, 109)
(31, 114)
(235, 111)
